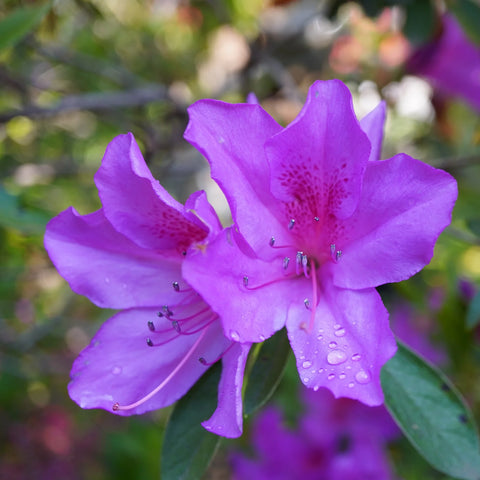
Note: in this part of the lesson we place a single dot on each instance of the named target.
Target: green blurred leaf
(22, 21)
(432, 414)
(266, 372)
(420, 21)
(187, 447)
(473, 312)
(468, 14)
(12, 216)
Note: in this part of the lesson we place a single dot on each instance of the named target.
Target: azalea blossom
(319, 222)
(128, 255)
(335, 439)
(451, 62)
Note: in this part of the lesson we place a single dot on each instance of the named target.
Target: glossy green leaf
(266, 372)
(187, 447)
(473, 312)
(432, 414)
(22, 21)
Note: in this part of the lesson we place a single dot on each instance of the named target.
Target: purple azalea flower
(319, 222)
(335, 439)
(450, 62)
(128, 255)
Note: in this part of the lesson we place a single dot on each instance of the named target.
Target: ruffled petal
(119, 366)
(372, 124)
(405, 205)
(232, 138)
(227, 419)
(317, 162)
(249, 313)
(138, 206)
(349, 343)
(107, 267)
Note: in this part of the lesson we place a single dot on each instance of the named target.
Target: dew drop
(336, 357)
(315, 388)
(306, 379)
(332, 344)
(319, 337)
(306, 364)
(337, 326)
(342, 376)
(351, 385)
(356, 357)
(331, 376)
(262, 338)
(321, 370)
(340, 332)
(234, 335)
(362, 377)
(117, 370)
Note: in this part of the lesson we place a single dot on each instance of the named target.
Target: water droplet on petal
(306, 379)
(117, 370)
(234, 335)
(356, 357)
(351, 385)
(332, 344)
(340, 332)
(342, 376)
(262, 338)
(362, 377)
(331, 376)
(316, 387)
(321, 370)
(337, 326)
(336, 357)
(306, 364)
(319, 337)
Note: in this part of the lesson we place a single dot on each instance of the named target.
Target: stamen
(338, 255)
(298, 262)
(116, 406)
(316, 219)
(313, 310)
(275, 280)
(149, 342)
(245, 281)
(272, 241)
(307, 303)
(305, 266)
(151, 326)
(176, 326)
(176, 286)
(286, 261)
(204, 362)
(291, 224)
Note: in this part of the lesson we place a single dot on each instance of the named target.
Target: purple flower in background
(128, 255)
(335, 439)
(319, 222)
(451, 62)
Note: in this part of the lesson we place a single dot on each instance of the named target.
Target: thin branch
(93, 101)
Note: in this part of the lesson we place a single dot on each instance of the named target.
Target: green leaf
(187, 447)
(432, 414)
(19, 23)
(468, 14)
(473, 312)
(420, 21)
(12, 216)
(266, 372)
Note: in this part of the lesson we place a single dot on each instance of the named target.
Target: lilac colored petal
(106, 267)
(137, 205)
(451, 63)
(227, 419)
(348, 345)
(317, 162)
(232, 138)
(119, 366)
(248, 314)
(405, 205)
(372, 124)
(252, 99)
(197, 206)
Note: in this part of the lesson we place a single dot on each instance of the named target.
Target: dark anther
(149, 342)
(151, 326)
(176, 326)
(307, 303)
(116, 406)
(160, 314)
(286, 261)
(272, 241)
(184, 252)
(176, 286)
(202, 361)
(316, 219)
(245, 281)
(291, 224)
(166, 311)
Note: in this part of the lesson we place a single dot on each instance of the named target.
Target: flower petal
(405, 205)
(137, 205)
(248, 314)
(106, 267)
(227, 419)
(317, 162)
(348, 345)
(119, 366)
(372, 124)
(232, 138)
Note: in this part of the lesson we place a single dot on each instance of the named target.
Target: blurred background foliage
(75, 73)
